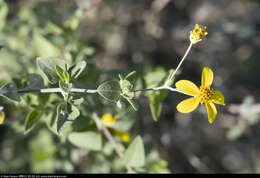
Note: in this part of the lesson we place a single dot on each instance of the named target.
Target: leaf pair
(65, 113)
(56, 70)
(115, 90)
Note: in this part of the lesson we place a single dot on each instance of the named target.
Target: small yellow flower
(2, 117)
(203, 95)
(108, 120)
(125, 137)
(197, 34)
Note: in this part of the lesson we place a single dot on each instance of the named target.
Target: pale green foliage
(35, 82)
(31, 119)
(110, 90)
(135, 155)
(155, 78)
(59, 127)
(43, 47)
(87, 140)
(10, 91)
(48, 66)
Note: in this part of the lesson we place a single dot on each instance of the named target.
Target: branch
(161, 88)
(111, 140)
(56, 90)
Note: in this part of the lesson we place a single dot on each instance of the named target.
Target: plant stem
(56, 90)
(111, 140)
(179, 65)
(92, 91)
(161, 88)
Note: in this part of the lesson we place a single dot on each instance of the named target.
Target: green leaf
(61, 117)
(77, 69)
(35, 82)
(131, 77)
(74, 20)
(42, 151)
(126, 88)
(66, 113)
(78, 101)
(86, 140)
(133, 103)
(60, 72)
(156, 107)
(65, 87)
(110, 90)
(44, 47)
(156, 78)
(32, 118)
(134, 155)
(3, 14)
(48, 66)
(73, 112)
(10, 92)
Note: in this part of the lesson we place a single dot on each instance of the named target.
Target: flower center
(199, 32)
(205, 94)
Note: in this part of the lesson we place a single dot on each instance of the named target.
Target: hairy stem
(56, 90)
(161, 88)
(92, 91)
(179, 65)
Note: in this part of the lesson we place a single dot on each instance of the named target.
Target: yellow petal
(207, 77)
(2, 117)
(218, 98)
(108, 120)
(212, 112)
(187, 87)
(115, 117)
(188, 105)
(125, 137)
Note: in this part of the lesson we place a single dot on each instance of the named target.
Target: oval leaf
(76, 70)
(44, 47)
(134, 155)
(10, 92)
(73, 112)
(87, 140)
(110, 90)
(35, 82)
(31, 119)
(48, 66)
(131, 77)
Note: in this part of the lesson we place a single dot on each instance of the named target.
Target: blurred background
(146, 36)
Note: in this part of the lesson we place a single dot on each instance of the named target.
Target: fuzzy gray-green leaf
(35, 82)
(32, 118)
(88, 140)
(48, 66)
(77, 69)
(10, 91)
(110, 90)
(134, 155)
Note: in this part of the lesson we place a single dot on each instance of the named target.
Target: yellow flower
(197, 34)
(125, 137)
(108, 120)
(2, 117)
(203, 95)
